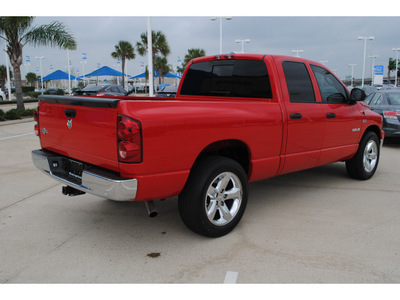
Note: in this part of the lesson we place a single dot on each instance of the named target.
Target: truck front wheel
(364, 164)
(215, 196)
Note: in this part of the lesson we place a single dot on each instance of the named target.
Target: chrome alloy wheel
(370, 157)
(223, 198)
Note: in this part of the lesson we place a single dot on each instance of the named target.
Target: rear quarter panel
(175, 132)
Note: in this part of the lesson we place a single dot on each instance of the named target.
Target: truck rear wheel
(364, 164)
(215, 196)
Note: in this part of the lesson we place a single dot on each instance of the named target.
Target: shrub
(27, 89)
(12, 114)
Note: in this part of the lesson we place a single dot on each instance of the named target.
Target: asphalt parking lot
(315, 226)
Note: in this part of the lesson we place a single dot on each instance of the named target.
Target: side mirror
(357, 95)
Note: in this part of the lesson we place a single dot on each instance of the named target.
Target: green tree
(3, 76)
(391, 67)
(124, 50)
(192, 53)
(19, 31)
(160, 45)
(31, 77)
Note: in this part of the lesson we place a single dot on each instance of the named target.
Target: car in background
(101, 90)
(167, 91)
(387, 104)
(2, 95)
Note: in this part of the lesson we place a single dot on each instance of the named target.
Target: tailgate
(83, 128)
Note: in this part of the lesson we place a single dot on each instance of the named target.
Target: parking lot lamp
(41, 72)
(365, 38)
(372, 71)
(220, 30)
(352, 73)
(242, 41)
(297, 52)
(397, 62)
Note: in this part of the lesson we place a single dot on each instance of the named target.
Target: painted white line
(231, 277)
(15, 136)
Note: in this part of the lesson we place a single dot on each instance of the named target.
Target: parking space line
(231, 277)
(15, 136)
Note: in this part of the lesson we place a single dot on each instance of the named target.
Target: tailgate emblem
(69, 123)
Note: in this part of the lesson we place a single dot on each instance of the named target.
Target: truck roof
(233, 56)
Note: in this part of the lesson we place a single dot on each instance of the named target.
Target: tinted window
(298, 82)
(394, 98)
(236, 78)
(369, 98)
(332, 91)
(376, 100)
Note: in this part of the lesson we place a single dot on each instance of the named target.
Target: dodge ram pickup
(236, 118)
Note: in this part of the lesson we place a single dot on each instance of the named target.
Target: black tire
(217, 185)
(364, 164)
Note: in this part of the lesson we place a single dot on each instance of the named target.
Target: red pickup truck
(235, 119)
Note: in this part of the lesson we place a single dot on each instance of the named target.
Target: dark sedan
(387, 104)
(101, 90)
(168, 91)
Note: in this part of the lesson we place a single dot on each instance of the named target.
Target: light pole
(372, 71)
(242, 41)
(150, 57)
(83, 62)
(397, 62)
(220, 30)
(352, 73)
(41, 72)
(297, 52)
(365, 38)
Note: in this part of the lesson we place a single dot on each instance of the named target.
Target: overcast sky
(322, 38)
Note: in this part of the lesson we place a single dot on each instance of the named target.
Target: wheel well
(374, 129)
(233, 149)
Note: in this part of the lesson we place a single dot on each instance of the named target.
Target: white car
(2, 95)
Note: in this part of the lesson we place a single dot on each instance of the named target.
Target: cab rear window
(228, 78)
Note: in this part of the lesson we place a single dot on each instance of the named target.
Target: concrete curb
(11, 122)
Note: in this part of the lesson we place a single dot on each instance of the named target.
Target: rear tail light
(36, 118)
(389, 115)
(129, 140)
(100, 94)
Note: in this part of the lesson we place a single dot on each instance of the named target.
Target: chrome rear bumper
(92, 180)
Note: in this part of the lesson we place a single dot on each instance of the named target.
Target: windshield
(93, 87)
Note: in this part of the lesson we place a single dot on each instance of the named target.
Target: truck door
(343, 121)
(305, 118)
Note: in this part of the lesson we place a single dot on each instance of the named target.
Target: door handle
(331, 115)
(70, 113)
(296, 116)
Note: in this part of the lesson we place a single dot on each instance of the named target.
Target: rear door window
(298, 82)
(228, 78)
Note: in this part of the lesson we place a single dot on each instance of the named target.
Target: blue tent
(143, 75)
(104, 71)
(57, 75)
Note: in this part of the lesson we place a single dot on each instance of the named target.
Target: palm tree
(162, 67)
(31, 77)
(124, 50)
(19, 31)
(192, 53)
(160, 45)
